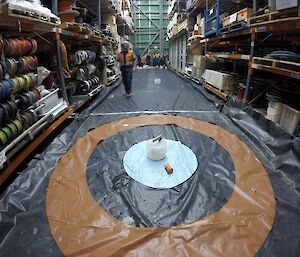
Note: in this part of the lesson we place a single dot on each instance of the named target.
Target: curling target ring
(80, 226)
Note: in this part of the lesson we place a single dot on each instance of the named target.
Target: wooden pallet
(234, 27)
(97, 34)
(195, 39)
(76, 27)
(292, 66)
(278, 16)
(220, 93)
(18, 12)
(110, 40)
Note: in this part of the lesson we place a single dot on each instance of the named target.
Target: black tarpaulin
(24, 229)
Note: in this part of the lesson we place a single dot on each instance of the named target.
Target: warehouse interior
(150, 128)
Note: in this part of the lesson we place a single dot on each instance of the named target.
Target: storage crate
(222, 81)
(285, 4)
(290, 117)
(242, 15)
(213, 11)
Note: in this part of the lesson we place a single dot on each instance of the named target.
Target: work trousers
(126, 71)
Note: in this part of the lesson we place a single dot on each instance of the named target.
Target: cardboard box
(222, 81)
(242, 15)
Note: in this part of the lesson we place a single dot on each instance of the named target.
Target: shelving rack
(256, 32)
(290, 26)
(51, 32)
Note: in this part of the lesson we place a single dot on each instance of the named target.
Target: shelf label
(2, 158)
(233, 17)
(245, 57)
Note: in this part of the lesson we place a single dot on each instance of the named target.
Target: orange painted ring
(81, 227)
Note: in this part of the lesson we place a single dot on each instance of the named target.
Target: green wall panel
(145, 29)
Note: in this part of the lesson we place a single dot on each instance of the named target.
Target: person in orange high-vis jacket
(126, 59)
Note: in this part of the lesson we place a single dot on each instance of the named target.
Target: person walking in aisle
(126, 58)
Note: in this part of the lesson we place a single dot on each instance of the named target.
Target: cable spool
(34, 46)
(18, 123)
(16, 48)
(8, 133)
(66, 12)
(19, 47)
(25, 121)
(22, 83)
(3, 138)
(5, 115)
(7, 48)
(22, 65)
(34, 79)
(82, 56)
(8, 111)
(24, 101)
(92, 57)
(79, 57)
(4, 67)
(11, 66)
(22, 47)
(82, 73)
(2, 116)
(6, 89)
(29, 118)
(13, 108)
(32, 62)
(95, 80)
(28, 81)
(16, 86)
(87, 85)
(32, 97)
(1, 92)
(14, 130)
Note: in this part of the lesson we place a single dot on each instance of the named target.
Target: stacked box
(222, 81)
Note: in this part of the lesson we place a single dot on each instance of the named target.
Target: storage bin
(290, 117)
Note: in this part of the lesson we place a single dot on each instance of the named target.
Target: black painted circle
(203, 194)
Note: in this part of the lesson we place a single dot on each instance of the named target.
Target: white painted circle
(152, 173)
